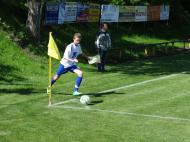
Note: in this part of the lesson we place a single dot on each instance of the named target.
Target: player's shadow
(103, 93)
(61, 93)
(90, 94)
(95, 102)
(100, 95)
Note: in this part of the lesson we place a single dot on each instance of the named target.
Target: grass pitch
(154, 108)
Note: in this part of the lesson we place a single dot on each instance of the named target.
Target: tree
(178, 14)
(34, 18)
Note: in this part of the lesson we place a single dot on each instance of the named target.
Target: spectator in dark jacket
(103, 43)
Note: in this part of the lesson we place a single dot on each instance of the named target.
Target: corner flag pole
(53, 52)
(50, 76)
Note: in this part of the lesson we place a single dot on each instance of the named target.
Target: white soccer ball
(85, 99)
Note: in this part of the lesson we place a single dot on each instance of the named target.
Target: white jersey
(72, 51)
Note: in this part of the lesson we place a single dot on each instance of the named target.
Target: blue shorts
(63, 70)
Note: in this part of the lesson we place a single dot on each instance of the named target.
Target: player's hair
(102, 25)
(78, 35)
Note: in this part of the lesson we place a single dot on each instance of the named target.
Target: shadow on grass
(23, 91)
(95, 102)
(100, 95)
(103, 94)
(90, 94)
(152, 67)
(7, 74)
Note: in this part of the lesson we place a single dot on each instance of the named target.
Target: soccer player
(68, 63)
(103, 43)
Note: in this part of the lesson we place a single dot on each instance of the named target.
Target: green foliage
(139, 2)
(118, 2)
(20, 4)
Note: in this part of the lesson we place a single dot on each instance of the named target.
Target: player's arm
(71, 60)
(85, 56)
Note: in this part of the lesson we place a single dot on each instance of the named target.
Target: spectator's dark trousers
(102, 53)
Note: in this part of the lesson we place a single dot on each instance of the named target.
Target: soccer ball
(85, 99)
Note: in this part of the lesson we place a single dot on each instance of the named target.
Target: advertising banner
(127, 14)
(51, 13)
(164, 12)
(82, 12)
(61, 13)
(70, 12)
(153, 13)
(140, 13)
(94, 12)
(109, 13)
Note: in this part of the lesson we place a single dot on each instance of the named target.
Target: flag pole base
(49, 103)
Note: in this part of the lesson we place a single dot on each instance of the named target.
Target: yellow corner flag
(52, 48)
(53, 52)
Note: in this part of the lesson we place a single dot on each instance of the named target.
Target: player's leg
(60, 71)
(79, 73)
(54, 79)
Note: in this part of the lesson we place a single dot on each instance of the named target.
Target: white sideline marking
(140, 83)
(64, 102)
(125, 113)
(123, 87)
